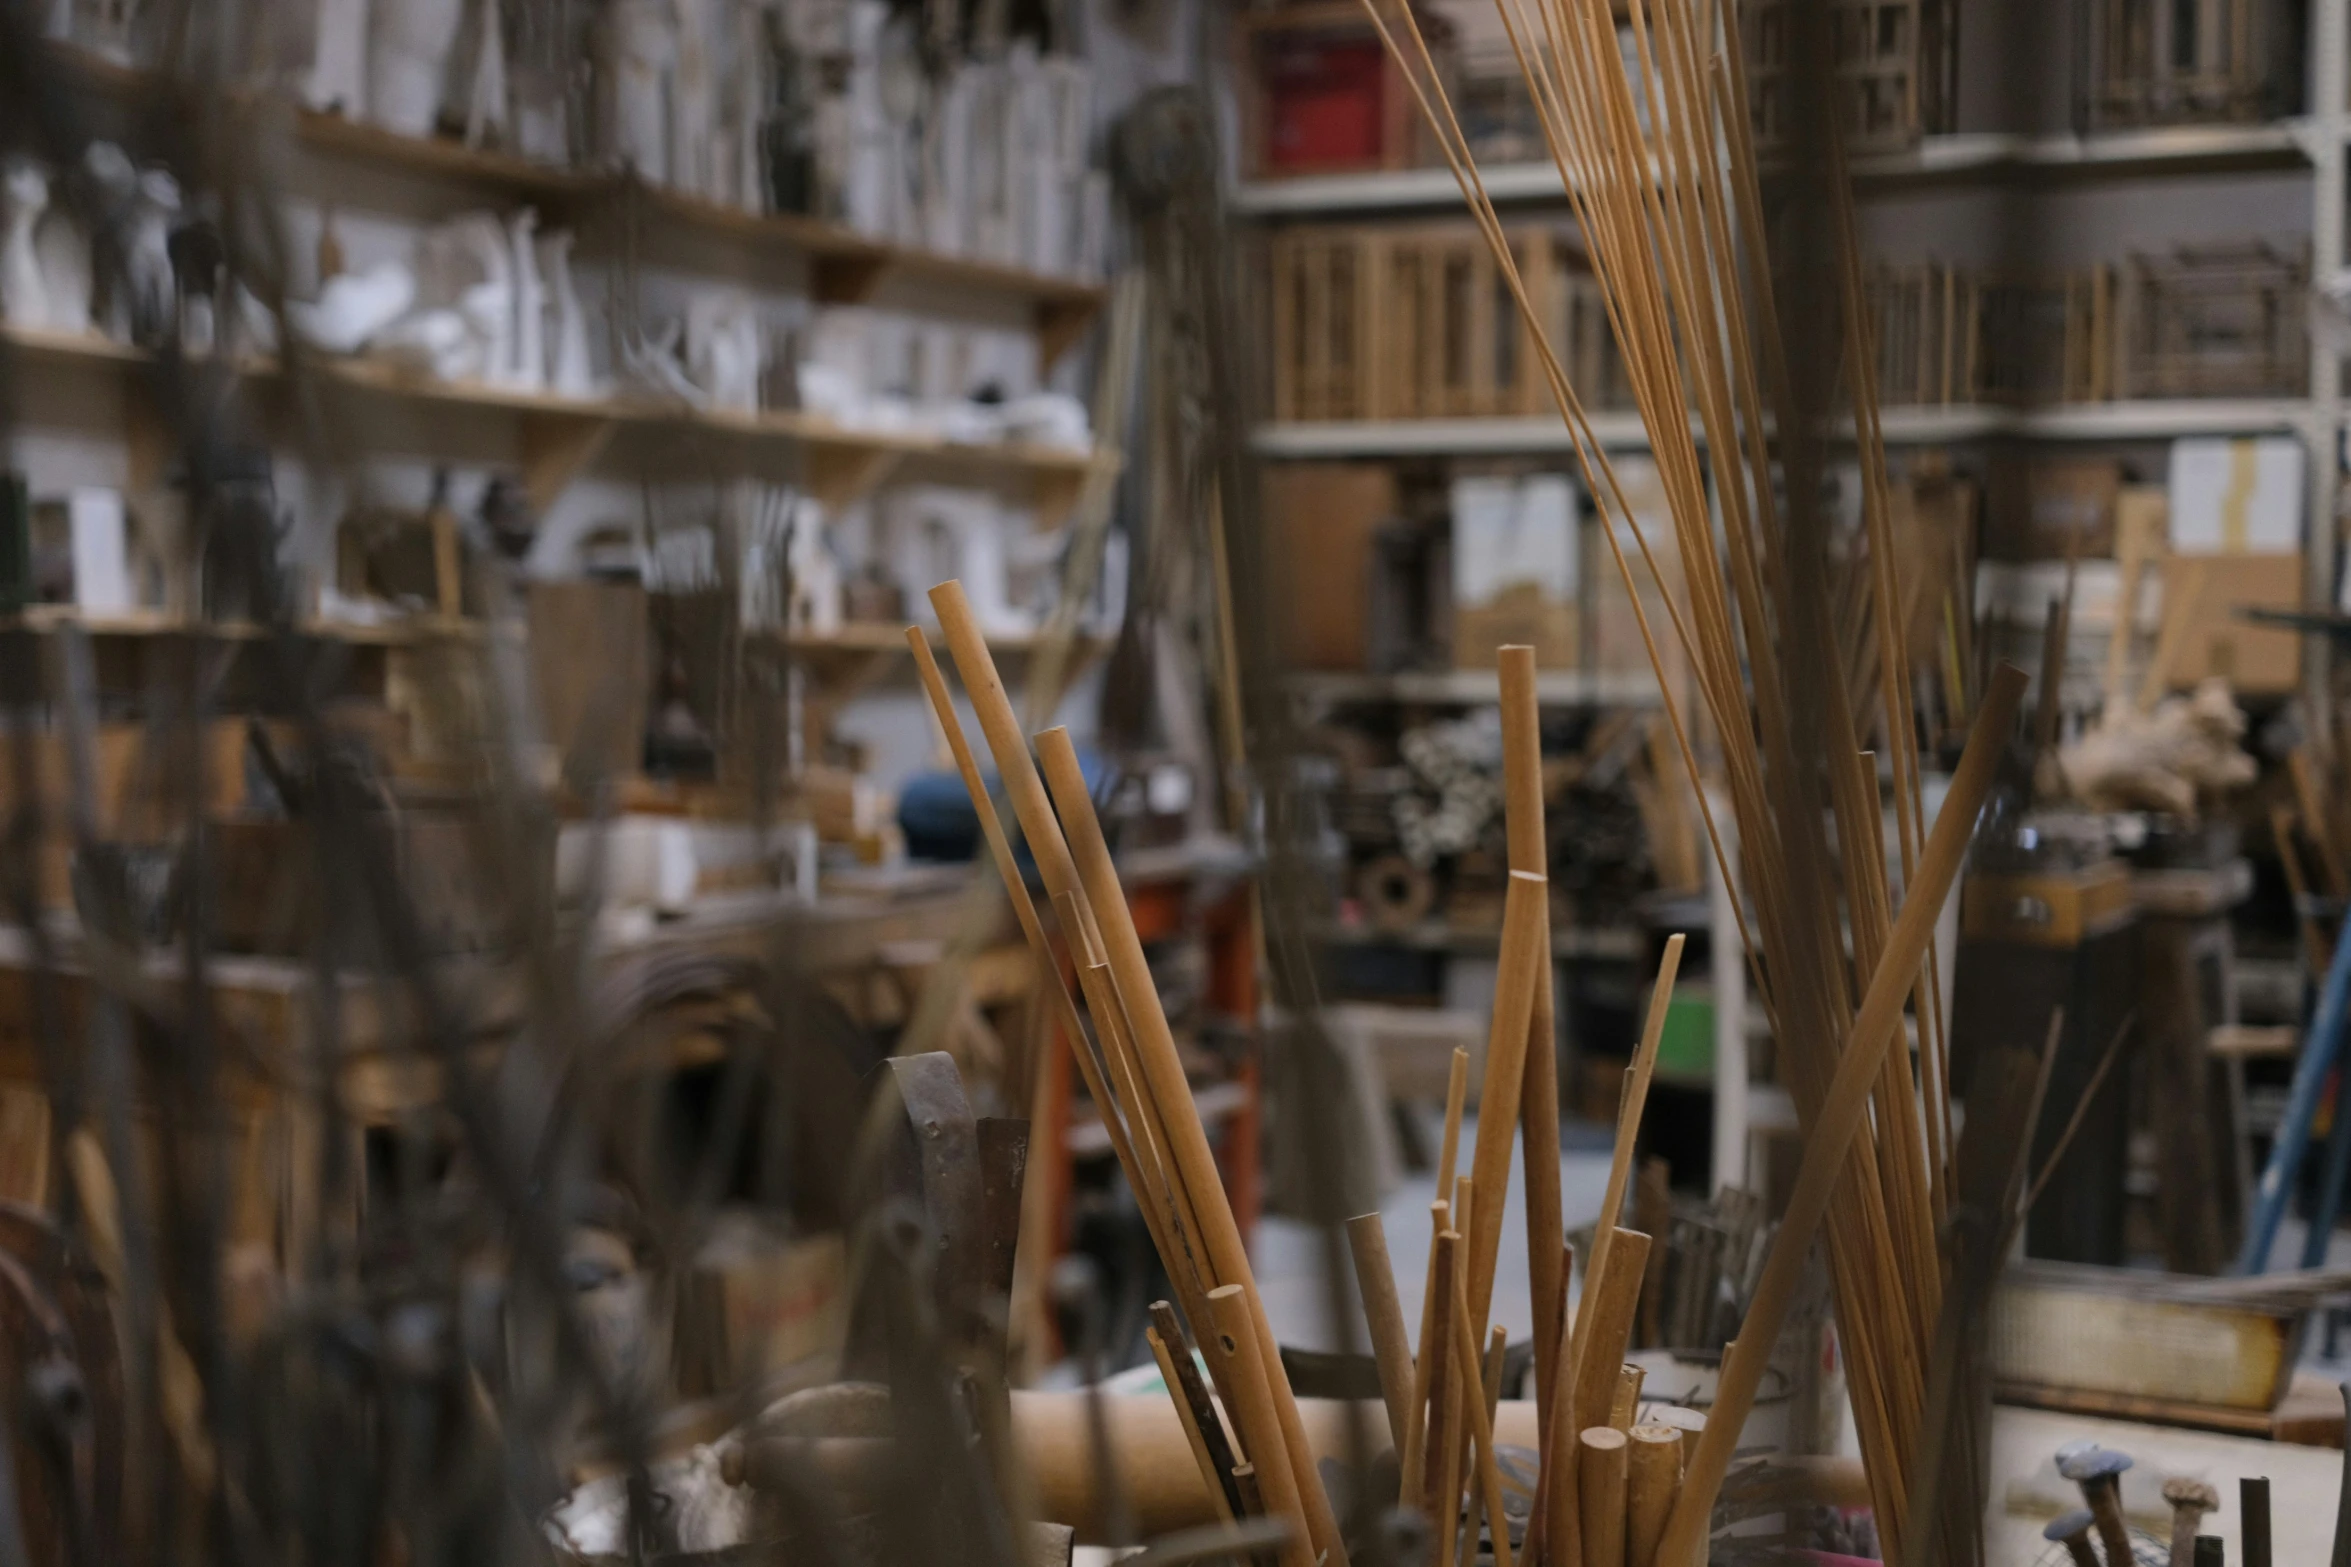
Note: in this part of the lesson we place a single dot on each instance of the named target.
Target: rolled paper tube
(1653, 1476)
(1375, 1281)
(1261, 1431)
(1601, 1466)
(1627, 1400)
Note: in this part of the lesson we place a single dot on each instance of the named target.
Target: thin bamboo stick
(1209, 1477)
(1538, 1111)
(1523, 951)
(1375, 1281)
(1164, 1082)
(1601, 1463)
(1877, 1023)
(1479, 1393)
(1205, 1419)
(1250, 1390)
(1448, 1157)
(1425, 1366)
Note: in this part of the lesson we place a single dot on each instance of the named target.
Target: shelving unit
(1467, 687)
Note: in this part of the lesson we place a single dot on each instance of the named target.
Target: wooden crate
(1417, 322)
(1894, 64)
(2213, 321)
(1949, 335)
(2161, 62)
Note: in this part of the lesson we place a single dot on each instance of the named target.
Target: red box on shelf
(1321, 96)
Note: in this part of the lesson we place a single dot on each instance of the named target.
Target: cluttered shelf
(2139, 419)
(1597, 943)
(2143, 153)
(1447, 687)
(865, 450)
(850, 260)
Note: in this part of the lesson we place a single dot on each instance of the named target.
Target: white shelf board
(1553, 687)
(2152, 419)
(2177, 149)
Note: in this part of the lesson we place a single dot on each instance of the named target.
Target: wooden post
(1375, 1280)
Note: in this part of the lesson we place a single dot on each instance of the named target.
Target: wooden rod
(1538, 1107)
(1164, 1081)
(1440, 1487)
(1251, 1393)
(1653, 1475)
(1423, 1368)
(1830, 1138)
(1245, 1483)
(1523, 922)
(1625, 1403)
(1375, 1281)
(1210, 1476)
(1611, 1299)
(1686, 1423)
(1205, 1420)
(1601, 1464)
(1482, 1386)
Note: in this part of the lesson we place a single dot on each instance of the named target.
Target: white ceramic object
(24, 301)
(154, 286)
(101, 551)
(64, 253)
(569, 370)
(337, 81)
(527, 363)
(725, 349)
(476, 264)
(816, 576)
(486, 114)
(354, 307)
(640, 42)
(441, 343)
(408, 46)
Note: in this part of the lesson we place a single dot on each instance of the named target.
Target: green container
(1685, 1049)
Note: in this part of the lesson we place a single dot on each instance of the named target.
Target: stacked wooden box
(1417, 322)
(2157, 62)
(1895, 64)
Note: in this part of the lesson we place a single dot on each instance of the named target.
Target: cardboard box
(2044, 508)
(1616, 644)
(1324, 520)
(2216, 639)
(2236, 496)
(1516, 565)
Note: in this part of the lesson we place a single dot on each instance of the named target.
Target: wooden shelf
(406, 632)
(2151, 419)
(1970, 157)
(848, 264)
(562, 435)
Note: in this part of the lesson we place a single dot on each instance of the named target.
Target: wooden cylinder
(1164, 1080)
(1523, 952)
(1261, 1430)
(1625, 1403)
(1486, 1480)
(1440, 1479)
(1606, 1325)
(1416, 1434)
(1206, 1423)
(1449, 1154)
(1383, 1315)
(1601, 1462)
(1653, 1476)
(1687, 1423)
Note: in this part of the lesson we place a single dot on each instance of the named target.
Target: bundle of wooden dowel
(1802, 686)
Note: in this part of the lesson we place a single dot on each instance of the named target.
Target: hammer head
(2181, 1491)
(2068, 1526)
(2097, 1465)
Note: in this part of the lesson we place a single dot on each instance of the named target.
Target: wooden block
(1323, 520)
(2217, 640)
(590, 646)
(2060, 1329)
(2047, 910)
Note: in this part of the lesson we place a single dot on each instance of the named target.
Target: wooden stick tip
(1602, 1438)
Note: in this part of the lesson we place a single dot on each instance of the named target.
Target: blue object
(2322, 1048)
(935, 814)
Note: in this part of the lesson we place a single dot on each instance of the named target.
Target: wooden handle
(1654, 1474)
(1164, 1081)
(1375, 1281)
(1261, 1432)
(1829, 1140)
(1601, 1463)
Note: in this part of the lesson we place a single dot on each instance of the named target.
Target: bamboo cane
(1523, 911)
(1448, 1156)
(1250, 1390)
(1164, 1082)
(1192, 1434)
(1440, 1491)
